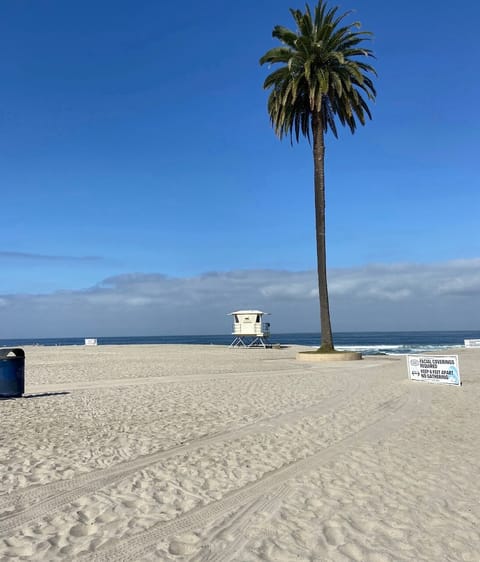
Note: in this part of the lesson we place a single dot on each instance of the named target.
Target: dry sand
(208, 453)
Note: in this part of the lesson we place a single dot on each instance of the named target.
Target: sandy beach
(173, 452)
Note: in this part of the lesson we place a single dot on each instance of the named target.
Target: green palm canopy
(322, 79)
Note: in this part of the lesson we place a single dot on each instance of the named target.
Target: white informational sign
(440, 369)
(472, 343)
(90, 341)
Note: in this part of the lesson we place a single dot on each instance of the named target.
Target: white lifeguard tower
(249, 329)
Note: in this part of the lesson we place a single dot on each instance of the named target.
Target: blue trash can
(12, 371)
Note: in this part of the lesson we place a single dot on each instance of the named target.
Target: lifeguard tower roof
(247, 312)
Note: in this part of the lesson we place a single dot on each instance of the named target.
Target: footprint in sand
(184, 545)
(333, 535)
(352, 551)
(82, 530)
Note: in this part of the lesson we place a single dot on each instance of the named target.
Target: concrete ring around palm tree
(317, 356)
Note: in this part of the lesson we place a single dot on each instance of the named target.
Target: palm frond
(322, 73)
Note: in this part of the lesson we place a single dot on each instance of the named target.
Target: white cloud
(404, 281)
(374, 297)
(31, 257)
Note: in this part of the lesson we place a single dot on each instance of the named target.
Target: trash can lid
(5, 351)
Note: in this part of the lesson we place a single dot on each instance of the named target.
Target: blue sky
(135, 144)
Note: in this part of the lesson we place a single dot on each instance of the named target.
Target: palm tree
(322, 79)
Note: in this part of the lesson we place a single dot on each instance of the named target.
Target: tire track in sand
(393, 414)
(166, 379)
(32, 504)
(237, 525)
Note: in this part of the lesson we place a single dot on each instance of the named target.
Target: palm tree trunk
(319, 182)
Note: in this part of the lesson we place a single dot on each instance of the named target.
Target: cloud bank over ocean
(402, 296)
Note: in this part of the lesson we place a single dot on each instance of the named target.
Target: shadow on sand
(38, 395)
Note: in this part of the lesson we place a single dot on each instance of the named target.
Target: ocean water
(368, 343)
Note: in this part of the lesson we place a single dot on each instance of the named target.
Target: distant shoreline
(368, 343)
